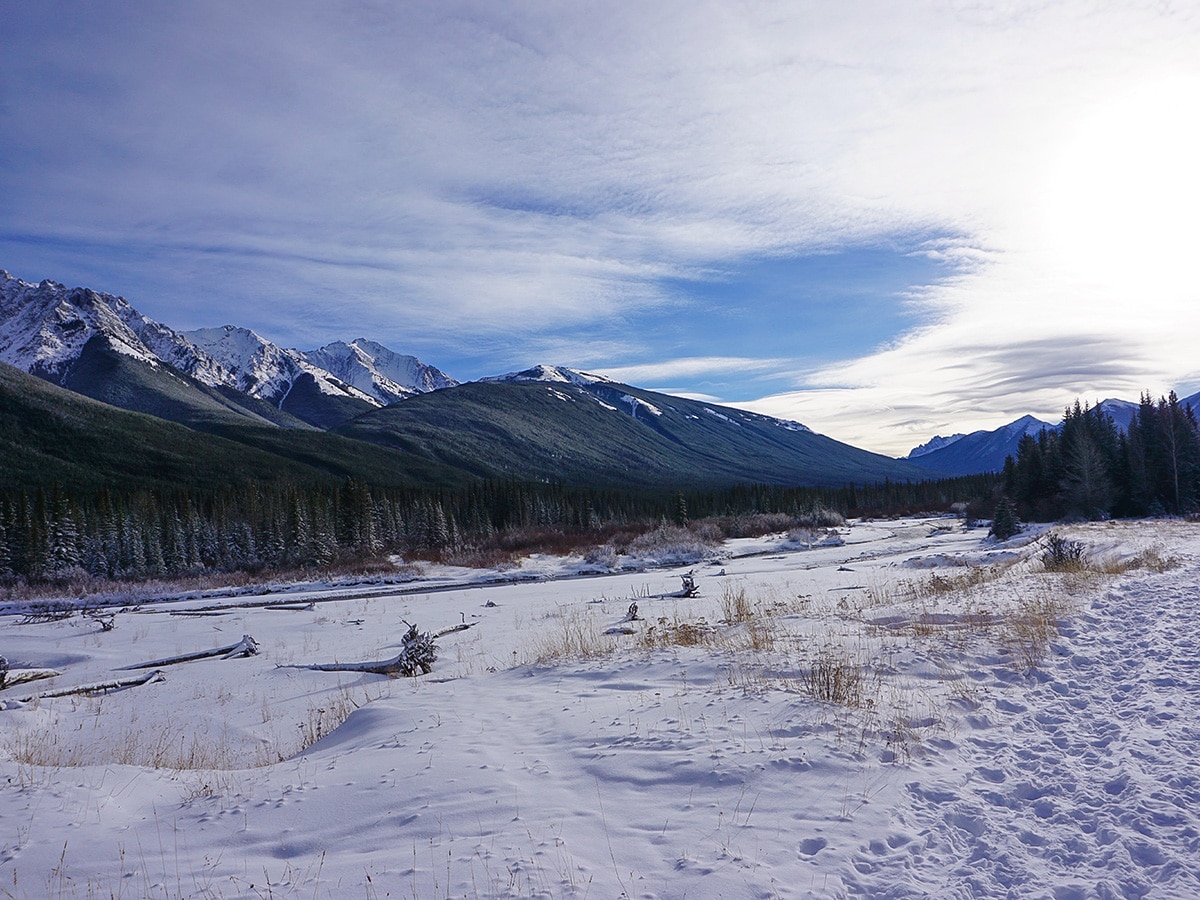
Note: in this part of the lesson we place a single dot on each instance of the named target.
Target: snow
(265, 370)
(375, 370)
(636, 403)
(986, 763)
(723, 418)
(937, 442)
(560, 374)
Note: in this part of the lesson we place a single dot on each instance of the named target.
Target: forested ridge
(1086, 468)
(1089, 468)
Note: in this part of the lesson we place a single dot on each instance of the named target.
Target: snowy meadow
(898, 709)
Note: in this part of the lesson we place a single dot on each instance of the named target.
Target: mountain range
(358, 409)
(985, 451)
(72, 336)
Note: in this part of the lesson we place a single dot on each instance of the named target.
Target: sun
(1122, 204)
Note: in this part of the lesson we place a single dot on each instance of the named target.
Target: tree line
(1089, 468)
(59, 533)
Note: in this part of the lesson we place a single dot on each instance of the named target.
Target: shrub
(1062, 555)
(604, 557)
(837, 678)
(669, 543)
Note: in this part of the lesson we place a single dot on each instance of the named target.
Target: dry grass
(676, 633)
(1152, 559)
(168, 746)
(1028, 631)
(735, 607)
(937, 584)
(836, 677)
(575, 635)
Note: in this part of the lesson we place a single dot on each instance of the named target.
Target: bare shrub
(672, 544)
(481, 558)
(1062, 555)
(758, 524)
(675, 633)
(605, 557)
(836, 677)
(811, 536)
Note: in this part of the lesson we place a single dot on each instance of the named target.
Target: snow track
(1078, 780)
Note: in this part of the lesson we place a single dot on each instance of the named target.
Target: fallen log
(100, 687)
(416, 656)
(247, 646)
(21, 676)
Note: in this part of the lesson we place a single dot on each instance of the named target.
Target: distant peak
(560, 374)
(935, 443)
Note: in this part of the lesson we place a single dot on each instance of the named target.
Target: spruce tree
(1004, 520)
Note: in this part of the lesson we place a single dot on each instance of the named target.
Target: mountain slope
(556, 424)
(980, 451)
(50, 434)
(105, 373)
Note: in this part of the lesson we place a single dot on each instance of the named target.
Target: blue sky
(883, 220)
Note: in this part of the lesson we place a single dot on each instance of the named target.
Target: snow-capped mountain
(560, 374)
(1122, 411)
(60, 333)
(979, 451)
(937, 442)
(265, 370)
(44, 328)
(378, 372)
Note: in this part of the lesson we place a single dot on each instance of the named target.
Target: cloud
(692, 367)
(468, 180)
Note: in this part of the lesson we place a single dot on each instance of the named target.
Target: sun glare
(1121, 205)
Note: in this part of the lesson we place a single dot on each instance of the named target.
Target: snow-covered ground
(1001, 731)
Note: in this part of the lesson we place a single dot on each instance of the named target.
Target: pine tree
(1004, 520)
(5, 552)
(681, 509)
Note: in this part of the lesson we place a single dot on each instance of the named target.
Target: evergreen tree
(681, 509)
(1004, 520)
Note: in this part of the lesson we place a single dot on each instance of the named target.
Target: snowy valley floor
(917, 712)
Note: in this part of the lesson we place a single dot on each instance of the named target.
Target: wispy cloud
(470, 181)
(673, 369)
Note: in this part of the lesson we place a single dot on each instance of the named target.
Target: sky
(886, 221)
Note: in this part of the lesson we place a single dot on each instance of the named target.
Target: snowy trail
(1081, 782)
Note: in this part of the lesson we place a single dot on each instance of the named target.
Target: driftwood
(417, 656)
(247, 646)
(14, 677)
(100, 687)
